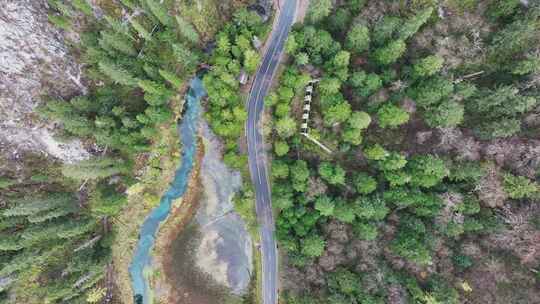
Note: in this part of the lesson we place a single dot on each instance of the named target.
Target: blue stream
(147, 236)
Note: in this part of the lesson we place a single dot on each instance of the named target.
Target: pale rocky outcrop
(34, 62)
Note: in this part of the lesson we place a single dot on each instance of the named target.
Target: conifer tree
(413, 24)
(140, 29)
(116, 42)
(117, 73)
(159, 11)
(187, 30)
(96, 168)
(174, 80)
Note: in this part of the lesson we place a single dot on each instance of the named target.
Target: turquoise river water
(142, 258)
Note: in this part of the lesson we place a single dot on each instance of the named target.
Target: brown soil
(181, 215)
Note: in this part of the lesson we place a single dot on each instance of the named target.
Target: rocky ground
(34, 62)
(225, 251)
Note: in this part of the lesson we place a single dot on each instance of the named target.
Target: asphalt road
(256, 153)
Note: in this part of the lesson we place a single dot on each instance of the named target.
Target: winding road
(256, 153)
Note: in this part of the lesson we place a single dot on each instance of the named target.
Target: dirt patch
(183, 210)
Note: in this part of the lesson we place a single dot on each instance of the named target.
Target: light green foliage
(393, 161)
(358, 121)
(364, 183)
(154, 88)
(447, 114)
(318, 9)
(6, 182)
(375, 152)
(337, 113)
(60, 21)
(251, 61)
(390, 53)
(140, 29)
(174, 80)
(329, 86)
(83, 6)
(335, 175)
(302, 58)
(392, 116)
(113, 41)
(357, 39)
(280, 169)
(159, 11)
(365, 84)
(286, 127)
(519, 187)
(365, 231)
(313, 246)
(397, 178)
(117, 73)
(372, 208)
(428, 66)
(97, 168)
(427, 170)
(281, 148)
(324, 205)
(344, 212)
(291, 45)
(184, 55)
(187, 30)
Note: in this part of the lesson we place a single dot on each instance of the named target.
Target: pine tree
(96, 168)
(140, 29)
(117, 73)
(390, 53)
(159, 11)
(117, 42)
(34, 205)
(187, 30)
(174, 80)
(413, 24)
(183, 55)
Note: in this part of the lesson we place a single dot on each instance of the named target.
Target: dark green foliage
(344, 281)
(365, 84)
(412, 241)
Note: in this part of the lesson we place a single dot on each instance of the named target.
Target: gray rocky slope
(34, 62)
